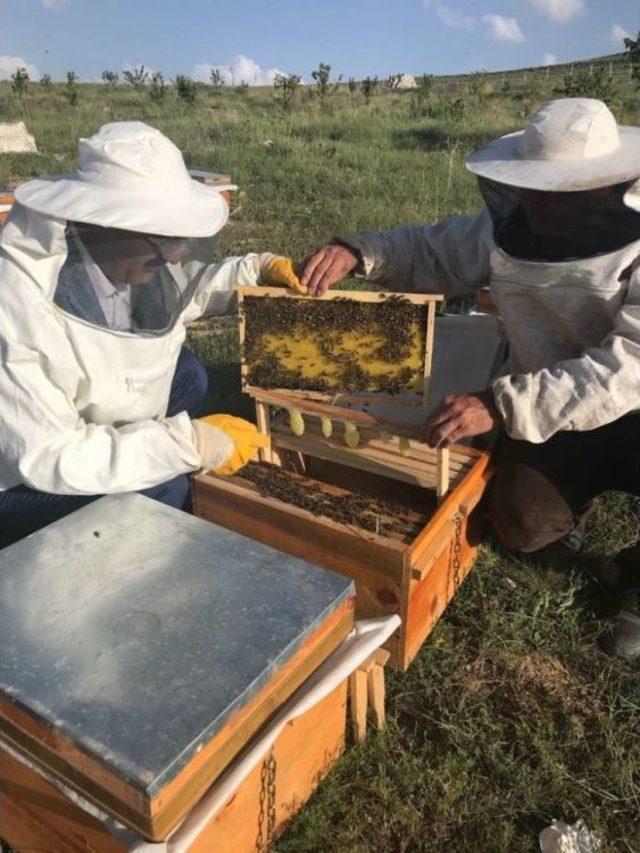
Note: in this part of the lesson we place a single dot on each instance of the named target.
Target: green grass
(510, 715)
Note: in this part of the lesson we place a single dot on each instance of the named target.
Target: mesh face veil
(558, 226)
(128, 281)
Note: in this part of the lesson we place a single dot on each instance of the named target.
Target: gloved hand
(238, 444)
(281, 272)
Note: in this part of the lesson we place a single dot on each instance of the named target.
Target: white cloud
(619, 34)
(503, 29)
(9, 64)
(451, 17)
(240, 68)
(56, 4)
(549, 59)
(560, 11)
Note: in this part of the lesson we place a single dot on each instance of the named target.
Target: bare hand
(461, 416)
(326, 266)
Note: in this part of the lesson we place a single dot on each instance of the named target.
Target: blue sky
(253, 38)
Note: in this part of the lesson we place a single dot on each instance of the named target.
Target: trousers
(24, 510)
(540, 491)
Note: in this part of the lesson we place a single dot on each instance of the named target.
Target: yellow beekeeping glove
(281, 272)
(241, 446)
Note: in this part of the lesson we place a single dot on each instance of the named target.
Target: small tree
(71, 88)
(20, 81)
(368, 87)
(324, 87)
(352, 83)
(632, 48)
(137, 77)
(110, 79)
(422, 95)
(186, 89)
(217, 80)
(46, 82)
(286, 86)
(242, 88)
(157, 88)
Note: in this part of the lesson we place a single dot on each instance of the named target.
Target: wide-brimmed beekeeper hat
(570, 144)
(130, 176)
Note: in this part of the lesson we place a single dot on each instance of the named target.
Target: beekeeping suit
(87, 366)
(558, 243)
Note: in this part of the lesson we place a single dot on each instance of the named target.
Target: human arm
(583, 393)
(450, 258)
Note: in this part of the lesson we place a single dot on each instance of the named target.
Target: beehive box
(345, 489)
(142, 650)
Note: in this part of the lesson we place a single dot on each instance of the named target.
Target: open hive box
(143, 651)
(340, 486)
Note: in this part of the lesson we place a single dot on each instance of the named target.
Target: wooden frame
(428, 299)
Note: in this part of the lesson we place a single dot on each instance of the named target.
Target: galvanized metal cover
(137, 629)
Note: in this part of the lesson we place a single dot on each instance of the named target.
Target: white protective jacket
(573, 327)
(83, 408)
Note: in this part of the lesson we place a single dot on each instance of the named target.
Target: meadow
(511, 715)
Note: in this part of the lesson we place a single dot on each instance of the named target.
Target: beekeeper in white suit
(559, 244)
(100, 272)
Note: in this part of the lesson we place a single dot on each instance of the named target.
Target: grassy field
(511, 715)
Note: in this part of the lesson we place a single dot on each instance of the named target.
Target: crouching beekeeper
(100, 272)
(559, 244)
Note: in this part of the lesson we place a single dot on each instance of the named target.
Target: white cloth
(82, 408)
(573, 327)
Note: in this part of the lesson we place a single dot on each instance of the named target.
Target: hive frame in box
(319, 404)
(413, 575)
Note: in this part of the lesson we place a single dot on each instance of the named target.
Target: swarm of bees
(371, 514)
(393, 320)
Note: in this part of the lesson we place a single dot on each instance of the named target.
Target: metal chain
(267, 804)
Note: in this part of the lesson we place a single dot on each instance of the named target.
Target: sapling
(46, 82)
(137, 77)
(286, 86)
(186, 89)
(216, 78)
(242, 88)
(324, 87)
(20, 81)
(352, 83)
(368, 87)
(71, 88)
(110, 79)
(158, 88)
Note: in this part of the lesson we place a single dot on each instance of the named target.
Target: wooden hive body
(134, 670)
(415, 572)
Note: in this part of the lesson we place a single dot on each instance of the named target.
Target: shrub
(20, 81)
(589, 82)
(46, 82)
(110, 79)
(352, 83)
(368, 87)
(137, 77)
(71, 88)
(419, 105)
(286, 86)
(242, 88)
(157, 88)
(393, 81)
(186, 89)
